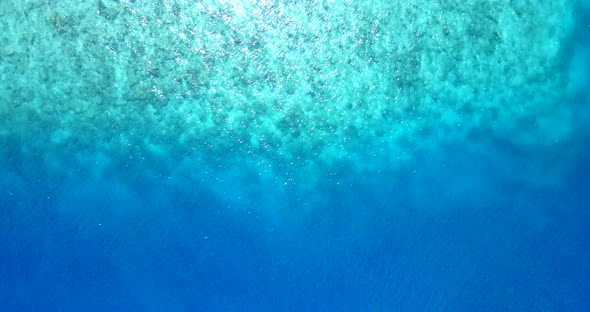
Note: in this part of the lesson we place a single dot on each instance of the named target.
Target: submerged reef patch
(280, 86)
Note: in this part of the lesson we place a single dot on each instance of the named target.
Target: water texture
(294, 155)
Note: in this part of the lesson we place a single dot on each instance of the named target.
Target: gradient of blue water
(384, 243)
(455, 232)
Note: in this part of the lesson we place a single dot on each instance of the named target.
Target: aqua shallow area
(294, 155)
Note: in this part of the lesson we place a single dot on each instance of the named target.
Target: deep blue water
(376, 245)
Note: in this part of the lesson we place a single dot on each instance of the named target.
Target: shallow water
(294, 155)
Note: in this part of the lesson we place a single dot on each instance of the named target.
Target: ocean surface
(284, 155)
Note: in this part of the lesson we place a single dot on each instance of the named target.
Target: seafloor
(253, 155)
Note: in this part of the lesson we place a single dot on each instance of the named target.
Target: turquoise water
(294, 155)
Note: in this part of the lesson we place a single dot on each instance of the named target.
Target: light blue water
(294, 156)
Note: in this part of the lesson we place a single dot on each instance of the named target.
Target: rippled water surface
(253, 155)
